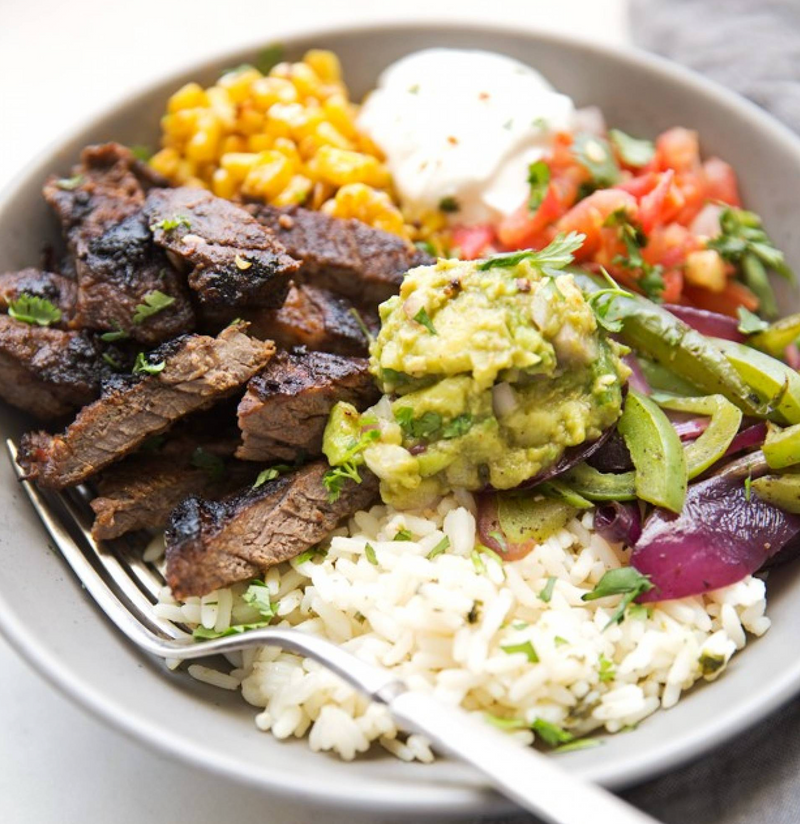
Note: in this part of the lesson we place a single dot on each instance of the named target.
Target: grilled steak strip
(199, 371)
(47, 372)
(60, 291)
(212, 545)
(315, 318)
(233, 260)
(116, 263)
(286, 407)
(142, 490)
(346, 256)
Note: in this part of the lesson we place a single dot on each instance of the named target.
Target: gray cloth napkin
(753, 47)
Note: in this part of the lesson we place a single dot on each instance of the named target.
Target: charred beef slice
(142, 490)
(215, 544)
(286, 406)
(47, 372)
(346, 256)
(60, 291)
(198, 372)
(233, 261)
(117, 265)
(317, 319)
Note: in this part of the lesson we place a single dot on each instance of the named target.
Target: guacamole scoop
(489, 369)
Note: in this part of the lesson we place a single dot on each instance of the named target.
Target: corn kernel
(203, 144)
(166, 162)
(238, 82)
(271, 174)
(221, 104)
(340, 167)
(250, 121)
(238, 164)
(184, 171)
(190, 96)
(270, 90)
(289, 149)
(260, 142)
(223, 184)
(296, 193)
(339, 112)
(367, 205)
(325, 63)
(233, 143)
(305, 80)
(182, 124)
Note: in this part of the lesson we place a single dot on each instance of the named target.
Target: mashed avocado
(489, 371)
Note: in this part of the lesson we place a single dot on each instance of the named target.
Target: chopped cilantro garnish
(559, 641)
(212, 464)
(423, 318)
(625, 581)
(602, 301)
(270, 474)
(606, 672)
(334, 479)
(526, 648)
(457, 427)
(269, 57)
(205, 634)
(594, 154)
(555, 256)
(449, 205)
(69, 183)
(34, 310)
(369, 552)
(402, 535)
(748, 488)
(539, 180)
(142, 366)
(141, 152)
(361, 325)
(257, 596)
(633, 238)
(749, 322)
(441, 547)
(427, 247)
(168, 224)
(505, 723)
(631, 150)
(547, 593)
(153, 303)
(314, 552)
(112, 362)
(551, 734)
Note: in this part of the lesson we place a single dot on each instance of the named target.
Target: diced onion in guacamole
(488, 374)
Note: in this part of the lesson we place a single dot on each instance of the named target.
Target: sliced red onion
(613, 456)
(792, 356)
(637, 380)
(719, 537)
(706, 224)
(707, 323)
(748, 438)
(573, 455)
(504, 401)
(412, 305)
(618, 522)
(689, 428)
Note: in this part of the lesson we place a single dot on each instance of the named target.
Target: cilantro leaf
(625, 581)
(257, 596)
(369, 552)
(748, 488)
(526, 647)
(336, 477)
(269, 57)
(555, 256)
(115, 335)
(205, 634)
(142, 366)
(67, 184)
(606, 672)
(34, 310)
(168, 224)
(423, 318)
(314, 552)
(403, 535)
(631, 150)
(601, 303)
(441, 547)
(750, 323)
(650, 277)
(141, 152)
(595, 155)
(154, 302)
(448, 205)
(505, 723)
(212, 464)
(539, 180)
(457, 427)
(551, 734)
(270, 474)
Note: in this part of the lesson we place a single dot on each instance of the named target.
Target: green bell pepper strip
(657, 453)
(782, 491)
(782, 446)
(773, 381)
(587, 482)
(660, 378)
(776, 337)
(714, 442)
(667, 340)
(561, 492)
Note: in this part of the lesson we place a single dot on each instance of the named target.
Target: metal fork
(126, 590)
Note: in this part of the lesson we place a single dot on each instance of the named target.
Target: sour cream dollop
(462, 127)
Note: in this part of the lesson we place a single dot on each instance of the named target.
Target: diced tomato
(641, 185)
(561, 156)
(678, 149)
(651, 206)
(721, 183)
(673, 285)
(589, 215)
(692, 186)
(517, 229)
(726, 302)
(669, 245)
(472, 240)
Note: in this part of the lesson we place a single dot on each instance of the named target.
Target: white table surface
(61, 61)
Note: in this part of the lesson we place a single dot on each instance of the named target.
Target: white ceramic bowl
(47, 617)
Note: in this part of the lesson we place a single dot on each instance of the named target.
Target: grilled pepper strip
(670, 342)
(773, 381)
(714, 442)
(656, 451)
(660, 378)
(776, 337)
(782, 491)
(782, 446)
(587, 482)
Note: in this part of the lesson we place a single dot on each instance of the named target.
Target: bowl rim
(373, 795)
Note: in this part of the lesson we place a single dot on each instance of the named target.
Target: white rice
(441, 624)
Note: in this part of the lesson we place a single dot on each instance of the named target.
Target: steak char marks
(285, 409)
(346, 256)
(199, 371)
(116, 262)
(47, 372)
(215, 544)
(232, 260)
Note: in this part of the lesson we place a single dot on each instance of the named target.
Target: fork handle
(532, 780)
